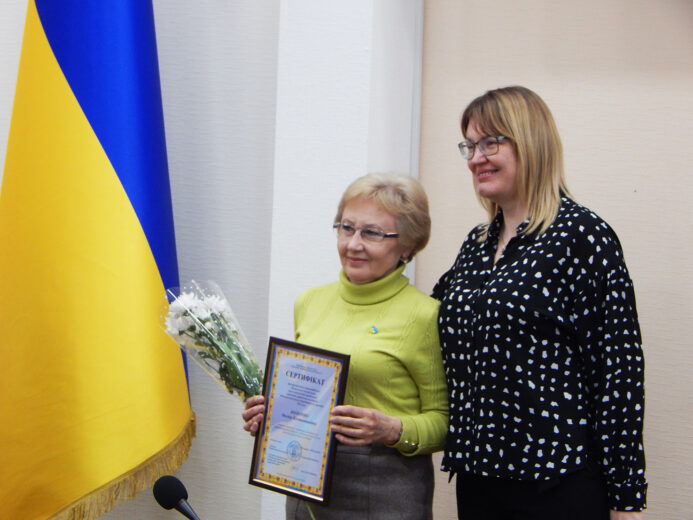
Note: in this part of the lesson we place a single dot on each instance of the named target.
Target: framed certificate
(294, 449)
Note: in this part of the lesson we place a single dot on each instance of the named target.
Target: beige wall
(618, 76)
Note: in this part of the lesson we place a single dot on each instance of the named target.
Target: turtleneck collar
(374, 292)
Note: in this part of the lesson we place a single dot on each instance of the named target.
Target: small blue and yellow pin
(373, 330)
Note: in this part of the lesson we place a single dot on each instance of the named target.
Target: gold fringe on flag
(128, 485)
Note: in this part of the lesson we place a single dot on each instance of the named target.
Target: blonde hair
(523, 117)
(401, 196)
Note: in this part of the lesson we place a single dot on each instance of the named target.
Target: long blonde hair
(522, 116)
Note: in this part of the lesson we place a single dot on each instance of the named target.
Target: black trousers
(577, 496)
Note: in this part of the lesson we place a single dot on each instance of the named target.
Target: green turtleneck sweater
(389, 328)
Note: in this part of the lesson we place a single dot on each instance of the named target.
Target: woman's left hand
(356, 426)
(625, 515)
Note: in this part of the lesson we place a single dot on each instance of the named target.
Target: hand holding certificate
(357, 426)
(294, 448)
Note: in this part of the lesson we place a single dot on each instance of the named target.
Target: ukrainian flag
(93, 398)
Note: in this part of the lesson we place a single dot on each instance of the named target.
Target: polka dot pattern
(543, 356)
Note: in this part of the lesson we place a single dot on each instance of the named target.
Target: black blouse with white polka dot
(543, 356)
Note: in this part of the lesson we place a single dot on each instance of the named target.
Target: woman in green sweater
(395, 406)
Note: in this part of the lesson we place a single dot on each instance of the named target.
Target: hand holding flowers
(253, 414)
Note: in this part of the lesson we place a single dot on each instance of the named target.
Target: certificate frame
(294, 448)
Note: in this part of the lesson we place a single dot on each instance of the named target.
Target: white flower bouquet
(201, 321)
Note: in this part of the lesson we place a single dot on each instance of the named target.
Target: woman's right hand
(253, 413)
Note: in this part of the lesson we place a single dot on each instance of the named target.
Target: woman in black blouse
(540, 336)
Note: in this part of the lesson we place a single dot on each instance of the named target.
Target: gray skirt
(373, 483)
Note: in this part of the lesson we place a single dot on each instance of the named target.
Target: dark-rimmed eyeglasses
(487, 145)
(369, 234)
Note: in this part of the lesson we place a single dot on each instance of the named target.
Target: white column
(347, 104)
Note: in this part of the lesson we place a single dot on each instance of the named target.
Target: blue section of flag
(116, 83)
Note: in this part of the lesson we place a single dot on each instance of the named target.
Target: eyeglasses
(346, 230)
(487, 145)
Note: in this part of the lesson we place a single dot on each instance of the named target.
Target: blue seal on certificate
(294, 450)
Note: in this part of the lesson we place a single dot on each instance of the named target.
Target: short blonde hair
(522, 116)
(401, 196)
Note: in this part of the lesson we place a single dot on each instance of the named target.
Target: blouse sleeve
(448, 278)
(425, 432)
(606, 323)
(442, 285)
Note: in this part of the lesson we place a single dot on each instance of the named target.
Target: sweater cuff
(623, 497)
(408, 443)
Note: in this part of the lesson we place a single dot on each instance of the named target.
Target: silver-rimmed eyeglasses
(487, 145)
(369, 234)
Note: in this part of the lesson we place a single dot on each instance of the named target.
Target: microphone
(170, 493)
